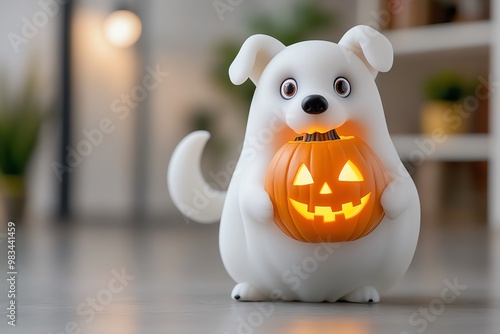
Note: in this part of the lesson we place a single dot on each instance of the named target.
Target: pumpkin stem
(330, 135)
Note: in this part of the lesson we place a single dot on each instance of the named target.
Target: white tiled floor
(67, 284)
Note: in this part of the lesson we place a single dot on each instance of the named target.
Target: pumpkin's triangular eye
(350, 173)
(303, 176)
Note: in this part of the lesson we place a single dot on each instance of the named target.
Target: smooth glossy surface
(256, 253)
(180, 286)
(335, 193)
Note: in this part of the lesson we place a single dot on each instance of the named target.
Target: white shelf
(447, 38)
(467, 147)
(440, 37)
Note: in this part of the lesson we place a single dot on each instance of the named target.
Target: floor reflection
(102, 278)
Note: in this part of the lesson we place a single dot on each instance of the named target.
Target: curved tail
(191, 194)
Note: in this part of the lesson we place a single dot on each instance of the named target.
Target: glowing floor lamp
(122, 28)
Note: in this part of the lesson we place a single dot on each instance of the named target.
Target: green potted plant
(443, 109)
(20, 119)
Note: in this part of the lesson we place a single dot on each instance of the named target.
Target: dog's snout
(314, 104)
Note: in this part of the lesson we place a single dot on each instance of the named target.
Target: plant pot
(446, 117)
(13, 195)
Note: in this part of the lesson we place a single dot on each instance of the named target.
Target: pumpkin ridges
(379, 184)
(323, 160)
(373, 205)
(355, 148)
(334, 158)
(289, 229)
(312, 196)
(277, 216)
(286, 229)
(296, 231)
(359, 231)
(338, 227)
(318, 226)
(304, 229)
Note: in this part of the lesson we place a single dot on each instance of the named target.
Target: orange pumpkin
(326, 188)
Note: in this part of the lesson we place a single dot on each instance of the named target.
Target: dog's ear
(373, 48)
(254, 55)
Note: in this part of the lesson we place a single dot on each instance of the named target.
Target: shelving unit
(440, 37)
(470, 147)
(455, 37)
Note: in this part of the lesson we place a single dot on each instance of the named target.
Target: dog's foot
(245, 292)
(366, 294)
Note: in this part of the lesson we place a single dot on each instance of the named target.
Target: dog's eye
(288, 88)
(342, 87)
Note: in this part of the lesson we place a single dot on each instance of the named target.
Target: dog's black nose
(314, 104)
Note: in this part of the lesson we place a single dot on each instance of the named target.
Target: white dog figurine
(266, 263)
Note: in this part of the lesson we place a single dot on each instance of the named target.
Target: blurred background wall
(127, 132)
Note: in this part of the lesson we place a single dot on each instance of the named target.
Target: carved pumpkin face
(326, 191)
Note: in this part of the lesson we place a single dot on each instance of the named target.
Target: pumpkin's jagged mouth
(348, 210)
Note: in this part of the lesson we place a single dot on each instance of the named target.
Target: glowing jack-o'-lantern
(326, 188)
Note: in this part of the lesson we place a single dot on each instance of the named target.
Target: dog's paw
(245, 292)
(395, 199)
(366, 294)
(257, 206)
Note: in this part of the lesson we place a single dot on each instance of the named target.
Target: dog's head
(316, 86)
